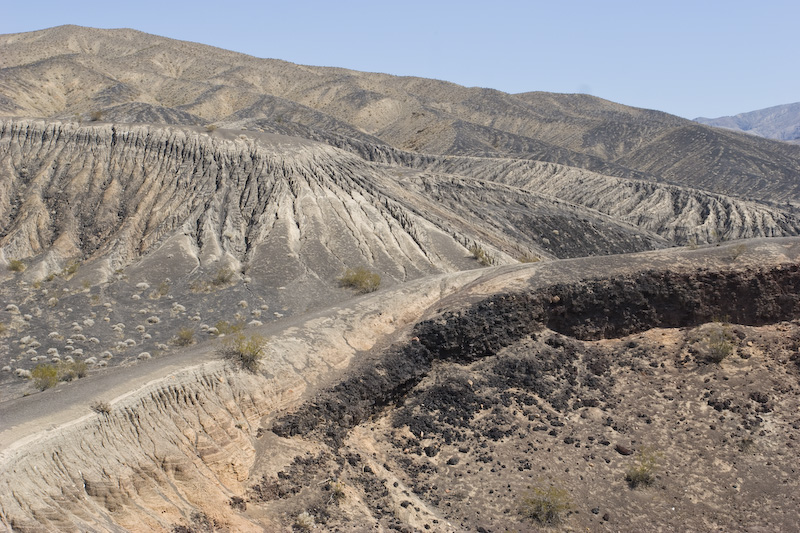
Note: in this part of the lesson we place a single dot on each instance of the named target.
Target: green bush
(546, 506)
(74, 370)
(44, 376)
(226, 328)
(360, 279)
(15, 265)
(184, 337)
(643, 472)
(245, 351)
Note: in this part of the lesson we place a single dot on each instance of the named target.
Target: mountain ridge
(781, 122)
(546, 279)
(406, 112)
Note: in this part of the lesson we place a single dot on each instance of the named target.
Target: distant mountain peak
(780, 122)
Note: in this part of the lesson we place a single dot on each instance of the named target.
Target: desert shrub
(481, 255)
(718, 344)
(162, 290)
(226, 328)
(71, 268)
(184, 337)
(96, 115)
(529, 258)
(15, 265)
(304, 522)
(336, 489)
(643, 471)
(72, 370)
(44, 376)
(360, 279)
(210, 128)
(238, 503)
(746, 445)
(546, 506)
(100, 407)
(737, 251)
(200, 523)
(3, 329)
(245, 351)
(222, 277)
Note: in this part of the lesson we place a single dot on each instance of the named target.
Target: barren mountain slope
(107, 229)
(102, 69)
(445, 404)
(780, 122)
(161, 199)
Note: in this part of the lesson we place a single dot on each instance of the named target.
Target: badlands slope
(158, 196)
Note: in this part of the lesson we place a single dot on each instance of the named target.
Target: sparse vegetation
(71, 268)
(72, 370)
(15, 265)
(223, 276)
(529, 258)
(643, 472)
(184, 337)
(336, 489)
(100, 407)
(226, 328)
(161, 290)
(737, 251)
(360, 279)
(200, 523)
(718, 343)
(245, 351)
(546, 506)
(304, 522)
(44, 376)
(211, 128)
(746, 445)
(238, 503)
(481, 255)
(96, 115)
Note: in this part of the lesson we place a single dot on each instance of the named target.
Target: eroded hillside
(74, 73)
(535, 330)
(442, 405)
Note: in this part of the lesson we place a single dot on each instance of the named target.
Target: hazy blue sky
(690, 58)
